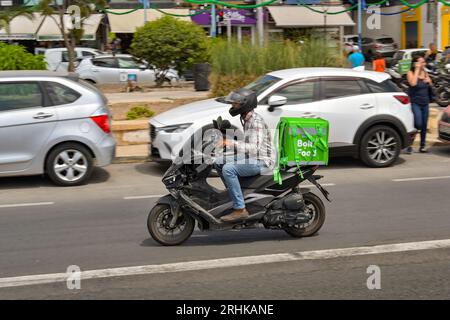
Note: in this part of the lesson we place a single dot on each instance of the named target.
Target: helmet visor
(233, 97)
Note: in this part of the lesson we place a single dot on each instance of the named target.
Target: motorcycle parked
(439, 76)
(191, 199)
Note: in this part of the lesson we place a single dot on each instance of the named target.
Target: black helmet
(243, 100)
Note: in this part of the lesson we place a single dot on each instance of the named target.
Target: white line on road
(226, 262)
(144, 197)
(26, 204)
(422, 178)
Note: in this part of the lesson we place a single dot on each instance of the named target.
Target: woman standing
(420, 95)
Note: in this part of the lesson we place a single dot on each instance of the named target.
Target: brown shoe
(238, 214)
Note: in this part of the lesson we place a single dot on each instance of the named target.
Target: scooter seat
(254, 182)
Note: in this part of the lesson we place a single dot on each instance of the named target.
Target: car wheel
(380, 147)
(69, 164)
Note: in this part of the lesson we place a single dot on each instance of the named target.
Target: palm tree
(6, 16)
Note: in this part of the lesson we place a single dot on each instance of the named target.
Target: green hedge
(236, 64)
(14, 57)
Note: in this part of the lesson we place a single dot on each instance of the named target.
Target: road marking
(26, 204)
(422, 178)
(144, 197)
(226, 262)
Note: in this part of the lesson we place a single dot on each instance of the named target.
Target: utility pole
(146, 4)
(260, 23)
(213, 31)
(360, 24)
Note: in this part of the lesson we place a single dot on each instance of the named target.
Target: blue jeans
(231, 170)
(421, 121)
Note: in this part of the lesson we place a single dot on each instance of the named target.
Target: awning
(22, 28)
(127, 23)
(49, 31)
(297, 16)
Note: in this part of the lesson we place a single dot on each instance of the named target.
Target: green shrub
(14, 57)
(139, 112)
(168, 42)
(236, 64)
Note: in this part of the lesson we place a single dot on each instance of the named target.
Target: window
(261, 84)
(20, 95)
(340, 88)
(60, 94)
(385, 40)
(105, 62)
(301, 92)
(65, 56)
(87, 54)
(385, 86)
(129, 63)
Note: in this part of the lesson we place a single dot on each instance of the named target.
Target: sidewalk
(155, 96)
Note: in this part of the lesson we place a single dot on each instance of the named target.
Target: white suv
(369, 116)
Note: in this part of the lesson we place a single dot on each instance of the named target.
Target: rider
(256, 148)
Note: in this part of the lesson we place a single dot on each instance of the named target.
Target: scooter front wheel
(158, 224)
(316, 209)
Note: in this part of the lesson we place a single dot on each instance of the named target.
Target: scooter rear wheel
(316, 209)
(158, 224)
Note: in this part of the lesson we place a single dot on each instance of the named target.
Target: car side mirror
(276, 101)
(142, 66)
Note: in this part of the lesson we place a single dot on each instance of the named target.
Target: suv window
(129, 63)
(65, 56)
(297, 93)
(20, 95)
(385, 86)
(385, 40)
(87, 54)
(337, 88)
(105, 62)
(60, 94)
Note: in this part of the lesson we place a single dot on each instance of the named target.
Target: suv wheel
(69, 164)
(380, 147)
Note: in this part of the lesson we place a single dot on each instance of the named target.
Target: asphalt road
(44, 229)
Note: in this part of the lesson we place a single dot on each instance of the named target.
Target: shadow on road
(223, 238)
(99, 175)
(151, 168)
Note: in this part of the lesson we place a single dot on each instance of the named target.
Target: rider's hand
(224, 143)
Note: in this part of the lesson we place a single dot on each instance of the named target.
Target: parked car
(385, 45)
(110, 69)
(53, 123)
(369, 116)
(444, 125)
(58, 59)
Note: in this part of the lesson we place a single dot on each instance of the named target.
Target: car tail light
(103, 122)
(402, 99)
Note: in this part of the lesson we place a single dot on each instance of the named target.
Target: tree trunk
(67, 42)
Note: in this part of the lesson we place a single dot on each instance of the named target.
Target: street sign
(6, 3)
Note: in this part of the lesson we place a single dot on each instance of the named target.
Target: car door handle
(43, 115)
(94, 70)
(366, 106)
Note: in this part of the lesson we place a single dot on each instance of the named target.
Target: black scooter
(287, 206)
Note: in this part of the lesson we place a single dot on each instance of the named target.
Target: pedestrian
(420, 94)
(356, 59)
(432, 53)
(379, 63)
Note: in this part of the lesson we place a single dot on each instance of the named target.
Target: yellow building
(445, 26)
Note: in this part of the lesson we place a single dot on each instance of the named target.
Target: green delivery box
(301, 141)
(404, 66)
